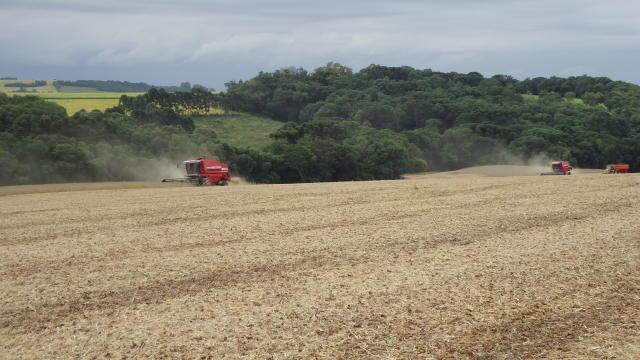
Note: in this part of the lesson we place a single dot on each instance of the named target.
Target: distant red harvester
(202, 171)
(559, 168)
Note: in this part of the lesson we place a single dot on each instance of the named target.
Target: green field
(73, 99)
(239, 129)
(49, 88)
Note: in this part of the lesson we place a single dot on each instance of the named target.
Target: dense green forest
(377, 123)
(454, 120)
(40, 143)
(144, 137)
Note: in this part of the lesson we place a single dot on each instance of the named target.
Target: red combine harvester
(202, 171)
(559, 168)
(619, 168)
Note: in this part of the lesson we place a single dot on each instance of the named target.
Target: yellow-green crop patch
(88, 101)
(75, 104)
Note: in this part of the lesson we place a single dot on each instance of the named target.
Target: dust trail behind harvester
(500, 170)
(165, 168)
(239, 181)
(517, 165)
(510, 164)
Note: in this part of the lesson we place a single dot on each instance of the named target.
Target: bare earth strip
(437, 266)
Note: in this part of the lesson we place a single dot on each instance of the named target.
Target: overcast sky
(213, 41)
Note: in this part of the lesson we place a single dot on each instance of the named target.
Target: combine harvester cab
(618, 168)
(202, 171)
(559, 168)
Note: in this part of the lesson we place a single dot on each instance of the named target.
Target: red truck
(559, 168)
(203, 171)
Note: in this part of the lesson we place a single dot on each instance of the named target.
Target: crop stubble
(435, 266)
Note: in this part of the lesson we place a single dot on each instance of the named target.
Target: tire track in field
(41, 317)
(191, 216)
(106, 227)
(106, 223)
(518, 222)
(31, 268)
(526, 334)
(532, 332)
(603, 304)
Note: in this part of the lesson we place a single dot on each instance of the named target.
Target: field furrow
(435, 266)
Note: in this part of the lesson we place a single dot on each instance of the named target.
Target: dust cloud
(511, 164)
(518, 165)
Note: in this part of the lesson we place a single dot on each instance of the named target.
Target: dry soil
(436, 266)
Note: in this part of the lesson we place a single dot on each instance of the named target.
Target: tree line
(319, 150)
(122, 86)
(338, 125)
(40, 143)
(194, 102)
(453, 120)
(325, 150)
(36, 83)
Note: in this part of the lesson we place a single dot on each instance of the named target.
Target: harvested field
(436, 266)
(68, 187)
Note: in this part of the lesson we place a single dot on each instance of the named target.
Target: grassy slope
(239, 129)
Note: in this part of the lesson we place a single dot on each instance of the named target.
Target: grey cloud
(249, 8)
(214, 41)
